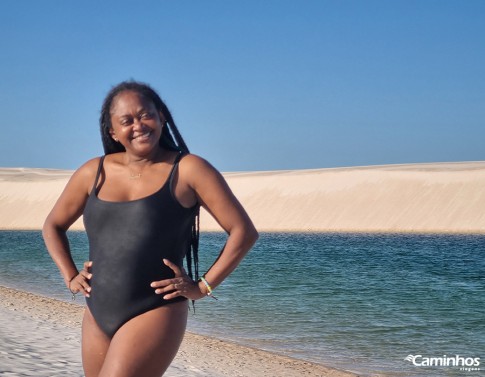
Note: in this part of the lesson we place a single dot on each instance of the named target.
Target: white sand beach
(42, 339)
(428, 198)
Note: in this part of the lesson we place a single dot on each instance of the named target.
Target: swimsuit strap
(172, 172)
(98, 173)
(178, 158)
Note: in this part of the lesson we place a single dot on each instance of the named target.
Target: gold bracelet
(209, 288)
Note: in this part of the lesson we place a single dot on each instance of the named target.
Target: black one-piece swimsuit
(127, 243)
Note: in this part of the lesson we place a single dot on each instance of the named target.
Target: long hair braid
(171, 139)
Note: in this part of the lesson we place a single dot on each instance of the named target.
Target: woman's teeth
(145, 135)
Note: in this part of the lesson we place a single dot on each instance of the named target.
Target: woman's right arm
(68, 208)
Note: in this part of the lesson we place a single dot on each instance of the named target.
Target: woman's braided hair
(171, 139)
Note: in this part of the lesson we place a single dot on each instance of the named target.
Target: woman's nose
(137, 124)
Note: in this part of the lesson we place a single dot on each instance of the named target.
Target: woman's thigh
(146, 345)
(95, 345)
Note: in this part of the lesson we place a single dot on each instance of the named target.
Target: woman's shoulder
(92, 165)
(88, 169)
(195, 169)
(82, 178)
(192, 162)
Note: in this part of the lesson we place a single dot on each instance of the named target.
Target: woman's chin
(143, 148)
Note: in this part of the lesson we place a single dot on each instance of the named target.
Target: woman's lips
(142, 136)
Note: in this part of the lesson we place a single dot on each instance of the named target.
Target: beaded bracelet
(209, 288)
(73, 297)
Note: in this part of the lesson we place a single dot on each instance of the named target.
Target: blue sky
(252, 85)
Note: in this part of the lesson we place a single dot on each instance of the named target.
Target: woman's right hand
(80, 283)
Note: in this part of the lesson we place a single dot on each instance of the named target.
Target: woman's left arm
(212, 192)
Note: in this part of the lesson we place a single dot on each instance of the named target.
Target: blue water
(352, 301)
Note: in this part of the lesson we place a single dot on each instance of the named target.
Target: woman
(140, 204)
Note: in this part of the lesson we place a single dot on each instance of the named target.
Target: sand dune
(439, 197)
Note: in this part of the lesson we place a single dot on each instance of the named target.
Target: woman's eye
(146, 115)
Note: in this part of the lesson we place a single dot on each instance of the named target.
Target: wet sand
(40, 337)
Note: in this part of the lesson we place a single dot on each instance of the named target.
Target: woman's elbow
(46, 227)
(251, 235)
(50, 228)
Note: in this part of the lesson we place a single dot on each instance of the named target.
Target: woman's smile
(143, 136)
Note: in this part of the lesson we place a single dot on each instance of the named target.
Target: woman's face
(136, 123)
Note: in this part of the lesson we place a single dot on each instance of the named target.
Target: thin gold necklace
(135, 176)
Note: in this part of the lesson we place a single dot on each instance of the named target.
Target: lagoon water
(361, 302)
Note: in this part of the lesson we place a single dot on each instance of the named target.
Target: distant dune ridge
(434, 197)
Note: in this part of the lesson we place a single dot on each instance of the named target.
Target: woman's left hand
(180, 285)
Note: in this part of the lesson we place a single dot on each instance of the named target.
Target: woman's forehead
(130, 100)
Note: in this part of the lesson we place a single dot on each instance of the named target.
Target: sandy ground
(40, 337)
(439, 197)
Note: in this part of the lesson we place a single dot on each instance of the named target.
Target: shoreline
(199, 355)
(309, 232)
(326, 232)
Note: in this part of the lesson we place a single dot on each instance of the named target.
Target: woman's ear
(112, 133)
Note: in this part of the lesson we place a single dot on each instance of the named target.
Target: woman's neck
(158, 155)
